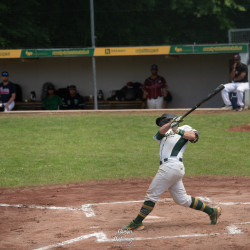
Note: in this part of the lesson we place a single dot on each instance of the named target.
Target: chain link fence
(239, 35)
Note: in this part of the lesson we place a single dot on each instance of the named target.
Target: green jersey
(52, 102)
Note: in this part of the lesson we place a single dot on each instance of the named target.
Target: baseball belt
(166, 159)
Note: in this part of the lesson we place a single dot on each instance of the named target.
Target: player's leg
(150, 103)
(242, 87)
(10, 106)
(159, 102)
(213, 212)
(164, 178)
(5, 109)
(180, 196)
(154, 101)
(229, 87)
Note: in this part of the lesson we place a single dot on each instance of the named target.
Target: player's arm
(190, 135)
(144, 95)
(162, 131)
(144, 99)
(240, 77)
(233, 70)
(13, 97)
(165, 92)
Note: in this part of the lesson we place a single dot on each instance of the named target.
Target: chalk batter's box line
(65, 208)
(89, 212)
(40, 207)
(83, 208)
(101, 237)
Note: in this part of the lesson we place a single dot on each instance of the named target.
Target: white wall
(189, 77)
(31, 74)
(245, 59)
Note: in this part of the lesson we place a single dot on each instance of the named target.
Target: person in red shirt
(155, 90)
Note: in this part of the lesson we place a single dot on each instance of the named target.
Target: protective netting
(239, 35)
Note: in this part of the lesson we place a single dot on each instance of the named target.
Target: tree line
(63, 23)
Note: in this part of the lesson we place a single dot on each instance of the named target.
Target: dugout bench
(88, 105)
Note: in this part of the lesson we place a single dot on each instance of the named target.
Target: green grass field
(39, 150)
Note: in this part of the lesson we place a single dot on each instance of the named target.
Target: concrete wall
(189, 77)
(245, 59)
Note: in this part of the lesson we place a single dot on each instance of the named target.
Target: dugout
(191, 71)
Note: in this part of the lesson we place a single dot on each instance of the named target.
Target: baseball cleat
(215, 215)
(133, 226)
(227, 107)
(240, 109)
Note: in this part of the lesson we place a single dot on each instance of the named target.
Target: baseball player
(239, 84)
(155, 90)
(173, 141)
(7, 92)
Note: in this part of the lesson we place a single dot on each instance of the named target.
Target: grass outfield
(39, 150)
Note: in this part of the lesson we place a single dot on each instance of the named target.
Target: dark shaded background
(63, 23)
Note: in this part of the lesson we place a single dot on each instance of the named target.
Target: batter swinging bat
(212, 94)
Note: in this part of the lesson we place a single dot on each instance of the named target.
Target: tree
(167, 21)
(63, 23)
(44, 23)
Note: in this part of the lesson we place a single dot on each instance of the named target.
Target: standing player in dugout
(173, 141)
(154, 90)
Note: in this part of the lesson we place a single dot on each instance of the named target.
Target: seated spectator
(73, 100)
(52, 101)
(7, 92)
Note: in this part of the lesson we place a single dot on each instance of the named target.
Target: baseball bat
(212, 94)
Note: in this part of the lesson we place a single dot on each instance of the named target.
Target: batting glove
(175, 127)
(178, 119)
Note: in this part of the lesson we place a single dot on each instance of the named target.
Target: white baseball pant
(11, 106)
(169, 177)
(239, 88)
(155, 103)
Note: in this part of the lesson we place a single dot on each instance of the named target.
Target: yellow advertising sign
(132, 51)
(14, 53)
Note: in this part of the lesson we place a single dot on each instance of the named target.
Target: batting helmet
(164, 119)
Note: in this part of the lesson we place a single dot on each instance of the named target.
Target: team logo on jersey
(169, 133)
(4, 90)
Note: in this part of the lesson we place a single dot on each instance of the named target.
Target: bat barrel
(212, 94)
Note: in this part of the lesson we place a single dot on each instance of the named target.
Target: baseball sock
(146, 208)
(199, 205)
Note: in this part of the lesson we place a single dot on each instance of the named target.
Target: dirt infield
(243, 128)
(89, 216)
